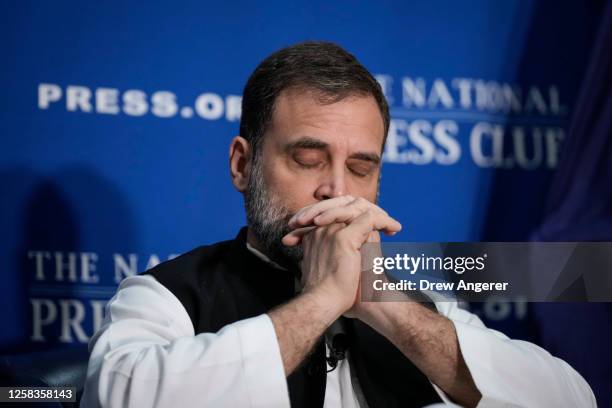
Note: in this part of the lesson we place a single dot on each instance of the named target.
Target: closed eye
(308, 158)
(361, 168)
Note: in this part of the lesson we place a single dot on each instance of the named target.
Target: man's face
(312, 152)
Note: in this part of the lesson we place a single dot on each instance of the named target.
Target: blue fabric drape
(579, 208)
(580, 198)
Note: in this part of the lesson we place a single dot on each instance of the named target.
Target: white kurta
(147, 355)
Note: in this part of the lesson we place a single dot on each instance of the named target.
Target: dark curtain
(579, 208)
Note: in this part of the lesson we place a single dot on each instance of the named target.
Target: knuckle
(336, 227)
(331, 212)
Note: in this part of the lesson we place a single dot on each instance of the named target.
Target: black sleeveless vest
(223, 283)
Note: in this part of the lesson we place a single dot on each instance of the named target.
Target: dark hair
(323, 67)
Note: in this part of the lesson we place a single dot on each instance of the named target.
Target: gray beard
(268, 219)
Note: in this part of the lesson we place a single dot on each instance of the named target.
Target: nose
(332, 185)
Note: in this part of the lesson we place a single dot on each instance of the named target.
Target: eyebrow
(371, 157)
(308, 142)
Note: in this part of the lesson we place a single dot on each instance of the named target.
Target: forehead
(354, 122)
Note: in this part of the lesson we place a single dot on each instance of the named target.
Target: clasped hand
(331, 233)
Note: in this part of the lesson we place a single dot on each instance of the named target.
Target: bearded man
(254, 322)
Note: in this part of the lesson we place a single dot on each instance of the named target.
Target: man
(249, 322)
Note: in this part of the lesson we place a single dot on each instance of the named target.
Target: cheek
(366, 191)
(366, 188)
(293, 191)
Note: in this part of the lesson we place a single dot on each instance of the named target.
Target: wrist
(327, 302)
(388, 318)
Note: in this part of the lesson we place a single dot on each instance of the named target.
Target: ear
(240, 162)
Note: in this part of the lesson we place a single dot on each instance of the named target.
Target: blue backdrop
(115, 123)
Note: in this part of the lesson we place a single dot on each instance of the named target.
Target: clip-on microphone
(337, 342)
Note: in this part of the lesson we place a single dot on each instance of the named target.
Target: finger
(359, 230)
(295, 237)
(374, 237)
(350, 212)
(305, 215)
